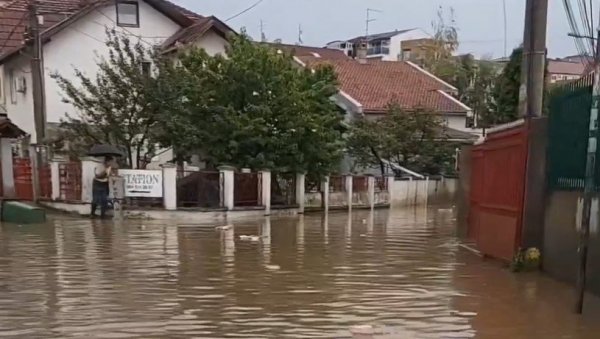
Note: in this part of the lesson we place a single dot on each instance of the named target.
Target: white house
(74, 34)
(368, 86)
(390, 46)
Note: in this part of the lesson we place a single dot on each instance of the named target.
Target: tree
(115, 106)
(413, 139)
(506, 92)
(473, 79)
(254, 108)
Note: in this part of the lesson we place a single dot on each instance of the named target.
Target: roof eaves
(415, 66)
(456, 101)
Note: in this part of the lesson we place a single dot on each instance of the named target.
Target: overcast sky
(480, 22)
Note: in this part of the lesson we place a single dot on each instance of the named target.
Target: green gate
(569, 119)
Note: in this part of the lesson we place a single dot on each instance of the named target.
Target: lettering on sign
(143, 183)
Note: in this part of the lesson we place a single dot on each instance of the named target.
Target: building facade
(74, 38)
(409, 44)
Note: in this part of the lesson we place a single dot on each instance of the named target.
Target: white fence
(422, 192)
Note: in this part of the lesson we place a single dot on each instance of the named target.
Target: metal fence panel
(569, 120)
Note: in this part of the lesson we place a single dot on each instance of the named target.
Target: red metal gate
(23, 178)
(497, 192)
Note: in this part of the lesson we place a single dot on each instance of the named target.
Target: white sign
(143, 183)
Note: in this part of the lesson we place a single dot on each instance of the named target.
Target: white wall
(458, 122)
(82, 43)
(21, 112)
(212, 43)
(423, 192)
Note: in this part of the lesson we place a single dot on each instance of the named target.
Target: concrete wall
(559, 252)
(422, 192)
(338, 199)
(313, 200)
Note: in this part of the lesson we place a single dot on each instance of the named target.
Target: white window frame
(137, 14)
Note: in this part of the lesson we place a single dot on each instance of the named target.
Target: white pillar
(390, 187)
(8, 176)
(325, 194)
(55, 177)
(300, 187)
(348, 184)
(266, 190)
(371, 191)
(88, 167)
(170, 187)
(227, 188)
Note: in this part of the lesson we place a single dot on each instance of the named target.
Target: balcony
(378, 50)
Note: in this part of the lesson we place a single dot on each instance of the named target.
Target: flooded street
(305, 277)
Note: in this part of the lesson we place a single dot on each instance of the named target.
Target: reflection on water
(312, 276)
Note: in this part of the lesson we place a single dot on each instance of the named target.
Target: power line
(125, 29)
(86, 34)
(244, 11)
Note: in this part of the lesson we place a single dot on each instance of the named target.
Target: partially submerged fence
(247, 189)
(283, 189)
(69, 175)
(23, 178)
(199, 189)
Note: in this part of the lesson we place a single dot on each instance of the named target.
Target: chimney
(361, 51)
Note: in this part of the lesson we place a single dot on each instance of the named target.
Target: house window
(146, 68)
(406, 54)
(128, 14)
(12, 84)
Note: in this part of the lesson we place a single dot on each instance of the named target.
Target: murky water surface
(307, 277)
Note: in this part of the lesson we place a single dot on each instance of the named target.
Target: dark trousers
(99, 197)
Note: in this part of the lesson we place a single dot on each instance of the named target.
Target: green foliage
(506, 92)
(473, 79)
(254, 108)
(413, 139)
(115, 106)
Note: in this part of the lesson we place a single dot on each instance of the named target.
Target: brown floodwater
(305, 277)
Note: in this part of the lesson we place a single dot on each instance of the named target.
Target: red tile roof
(14, 20)
(312, 53)
(376, 84)
(566, 67)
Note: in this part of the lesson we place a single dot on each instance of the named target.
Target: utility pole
(39, 100)
(531, 107)
(590, 184)
(263, 37)
(369, 20)
(300, 32)
(531, 96)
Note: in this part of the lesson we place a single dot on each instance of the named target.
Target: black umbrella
(105, 150)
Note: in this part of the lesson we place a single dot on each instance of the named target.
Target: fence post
(325, 194)
(88, 168)
(348, 185)
(169, 186)
(266, 190)
(55, 177)
(391, 179)
(35, 172)
(371, 190)
(227, 186)
(8, 175)
(300, 191)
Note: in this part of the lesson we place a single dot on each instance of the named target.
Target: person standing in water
(100, 186)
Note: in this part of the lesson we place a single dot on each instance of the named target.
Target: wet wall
(560, 258)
